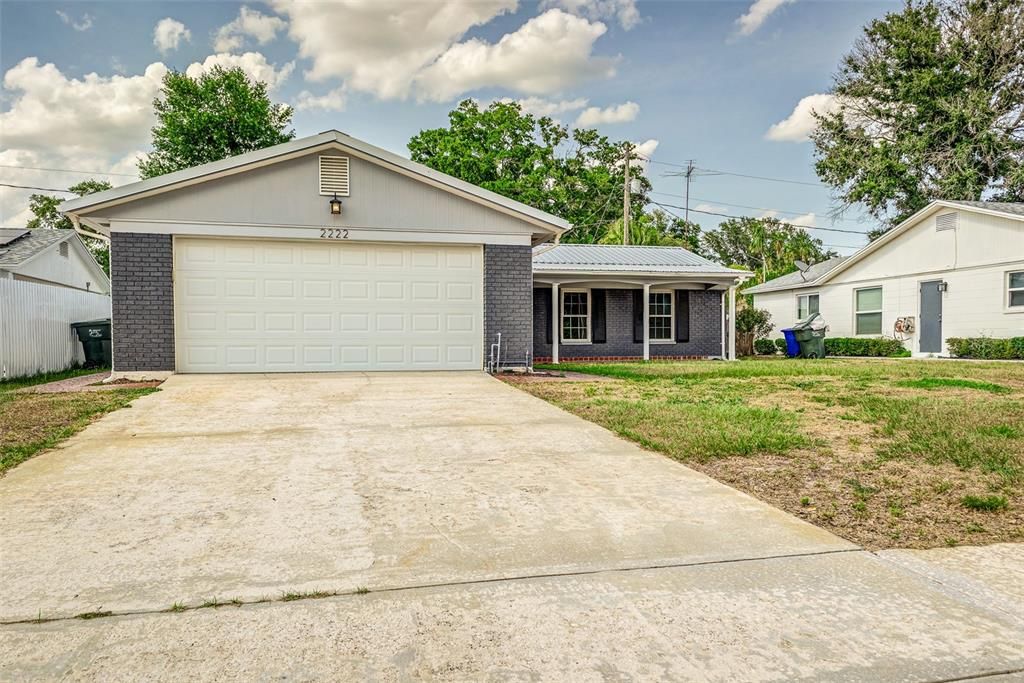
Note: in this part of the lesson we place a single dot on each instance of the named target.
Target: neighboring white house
(50, 257)
(48, 280)
(953, 269)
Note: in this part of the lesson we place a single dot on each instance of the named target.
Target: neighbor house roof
(298, 147)
(1010, 208)
(615, 258)
(16, 250)
(806, 278)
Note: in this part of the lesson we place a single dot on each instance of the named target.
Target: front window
(869, 310)
(575, 316)
(660, 316)
(806, 304)
(1015, 282)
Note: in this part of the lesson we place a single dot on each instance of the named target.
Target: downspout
(76, 223)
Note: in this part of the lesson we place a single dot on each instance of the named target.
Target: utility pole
(690, 168)
(628, 147)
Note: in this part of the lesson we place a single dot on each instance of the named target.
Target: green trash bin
(810, 337)
(95, 338)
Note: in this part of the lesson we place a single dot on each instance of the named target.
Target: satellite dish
(802, 267)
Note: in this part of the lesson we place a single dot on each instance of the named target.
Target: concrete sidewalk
(500, 537)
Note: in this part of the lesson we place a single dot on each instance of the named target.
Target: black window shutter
(638, 315)
(599, 328)
(545, 299)
(682, 315)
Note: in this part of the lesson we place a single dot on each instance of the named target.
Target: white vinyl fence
(35, 332)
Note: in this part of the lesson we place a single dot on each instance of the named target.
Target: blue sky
(705, 80)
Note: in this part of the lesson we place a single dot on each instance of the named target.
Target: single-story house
(953, 269)
(326, 253)
(50, 257)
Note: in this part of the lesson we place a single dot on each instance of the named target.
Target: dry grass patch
(885, 453)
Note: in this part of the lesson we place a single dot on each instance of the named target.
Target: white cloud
(168, 35)
(95, 123)
(331, 101)
(538, 106)
(250, 23)
(254, 64)
(594, 116)
(379, 47)
(645, 150)
(546, 54)
(757, 13)
(624, 11)
(801, 122)
(84, 24)
(807, 220)
(711, 208)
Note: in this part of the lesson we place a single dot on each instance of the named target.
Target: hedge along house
(953, 269)
(631, 303)
(319, 254)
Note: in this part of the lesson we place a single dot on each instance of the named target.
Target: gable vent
(947, 221)
(64, 249)
(334, 176)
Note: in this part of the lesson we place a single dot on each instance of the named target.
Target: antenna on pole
(690, 168)
(628, 148)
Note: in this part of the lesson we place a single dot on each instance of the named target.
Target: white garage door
(304, 306)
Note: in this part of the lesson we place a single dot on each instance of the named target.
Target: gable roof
(1014, 210)
(22, 249)
(617, 258)
(331, 139)
(808, 278)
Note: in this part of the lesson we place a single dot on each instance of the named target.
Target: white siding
(35, 332)
(71, 270)
(972, 259)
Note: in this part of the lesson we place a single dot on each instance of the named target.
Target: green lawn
(31, 423)
(888, 453)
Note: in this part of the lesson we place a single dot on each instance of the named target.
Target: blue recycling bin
(792, 345)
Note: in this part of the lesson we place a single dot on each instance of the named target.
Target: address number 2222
(333, 234)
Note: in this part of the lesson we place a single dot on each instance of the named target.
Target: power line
(715, 171)
(726, 215)
(67, 170)
(756, 208)
(33, 187)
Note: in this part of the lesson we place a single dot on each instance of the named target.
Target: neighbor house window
(1015, 283)
(869, 310)
(660, 316)
(575, 316)
(806, 304)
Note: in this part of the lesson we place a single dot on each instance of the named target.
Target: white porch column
(732, 323)
(723, 325)
(647, 322)
(555, 322)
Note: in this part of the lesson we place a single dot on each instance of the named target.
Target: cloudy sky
(728, 84)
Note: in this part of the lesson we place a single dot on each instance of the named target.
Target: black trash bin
(95, 338)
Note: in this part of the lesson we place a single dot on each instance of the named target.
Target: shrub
(780, 344)
(865, 346)
(987, 348)
(764, 347)
(751, 324)
(985, 503)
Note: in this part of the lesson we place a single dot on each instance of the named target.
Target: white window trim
(808, 294)
(1007, 290)
(856, 312)
(671, 317)
(561, 317)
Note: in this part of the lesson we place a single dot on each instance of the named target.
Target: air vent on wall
(64, 249)
(947, 221)
(334, 176)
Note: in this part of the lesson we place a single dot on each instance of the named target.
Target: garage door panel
(264, 306)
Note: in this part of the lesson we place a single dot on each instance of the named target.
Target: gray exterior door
(931, 317)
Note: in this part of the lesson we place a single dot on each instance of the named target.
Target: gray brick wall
(705, 328)
(142, 293)
(508, 299)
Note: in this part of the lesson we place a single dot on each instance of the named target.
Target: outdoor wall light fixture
(335, 205)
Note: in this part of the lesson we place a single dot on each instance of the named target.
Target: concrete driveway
(498, 537)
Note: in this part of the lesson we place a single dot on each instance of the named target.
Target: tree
(45, 216)
(575, 174)
(930, 106)
(656, 228)
(751, 324)
(217, 115)
(766, 246)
